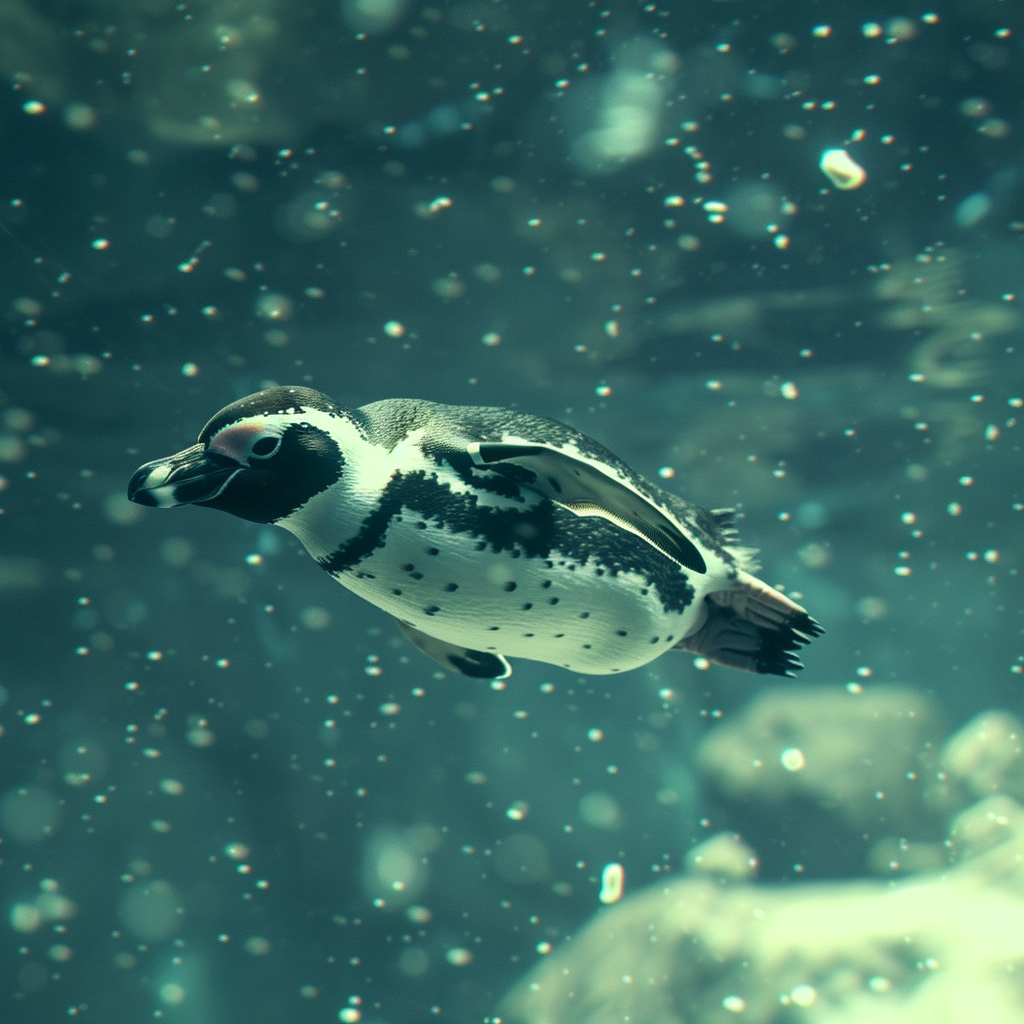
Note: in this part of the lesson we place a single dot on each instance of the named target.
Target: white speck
(793, 759)
(518, 810)
(841, 169)
(804, 995)
(734, 1004)
(613, 878)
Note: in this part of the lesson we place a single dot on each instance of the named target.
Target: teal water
(229, 790)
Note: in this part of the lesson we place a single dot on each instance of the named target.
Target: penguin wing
(589, 488)
(455, 658)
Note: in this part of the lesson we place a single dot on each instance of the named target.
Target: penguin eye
(265, 446)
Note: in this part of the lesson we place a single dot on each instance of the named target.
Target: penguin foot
(735, 642)
(753, 628)
(755, 601)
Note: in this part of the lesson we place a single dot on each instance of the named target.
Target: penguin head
(260, 458)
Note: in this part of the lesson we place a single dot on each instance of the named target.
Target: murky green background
(229, 791)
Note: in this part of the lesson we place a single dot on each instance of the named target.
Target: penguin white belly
(577, 615)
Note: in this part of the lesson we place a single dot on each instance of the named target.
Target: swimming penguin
(488, 534)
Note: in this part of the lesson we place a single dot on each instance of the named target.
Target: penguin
(488, 534)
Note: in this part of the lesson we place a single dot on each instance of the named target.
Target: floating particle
(613, 879)
(274, 307)
(79, 116)
(734, 1004)
(804, 995)
(393, 329)
(792, 759)
(716, 210)
(841, 169)
(970, 211)
(34, 107)
(172, 994)
(789, 390)
(901, 29)
(518, 811)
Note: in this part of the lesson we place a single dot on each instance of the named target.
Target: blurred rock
(987, 755)
(845, 752)
(941, 949)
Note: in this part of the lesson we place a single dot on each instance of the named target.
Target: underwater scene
(565, 748)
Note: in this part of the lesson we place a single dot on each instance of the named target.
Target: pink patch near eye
(236, 442)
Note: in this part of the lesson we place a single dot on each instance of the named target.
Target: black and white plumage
(488, 533)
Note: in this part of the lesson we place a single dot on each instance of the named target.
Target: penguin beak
(192, 476)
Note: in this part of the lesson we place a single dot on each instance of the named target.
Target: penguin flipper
(589, 488)
(454, 657)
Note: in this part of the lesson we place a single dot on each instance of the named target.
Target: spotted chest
(524, 579)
